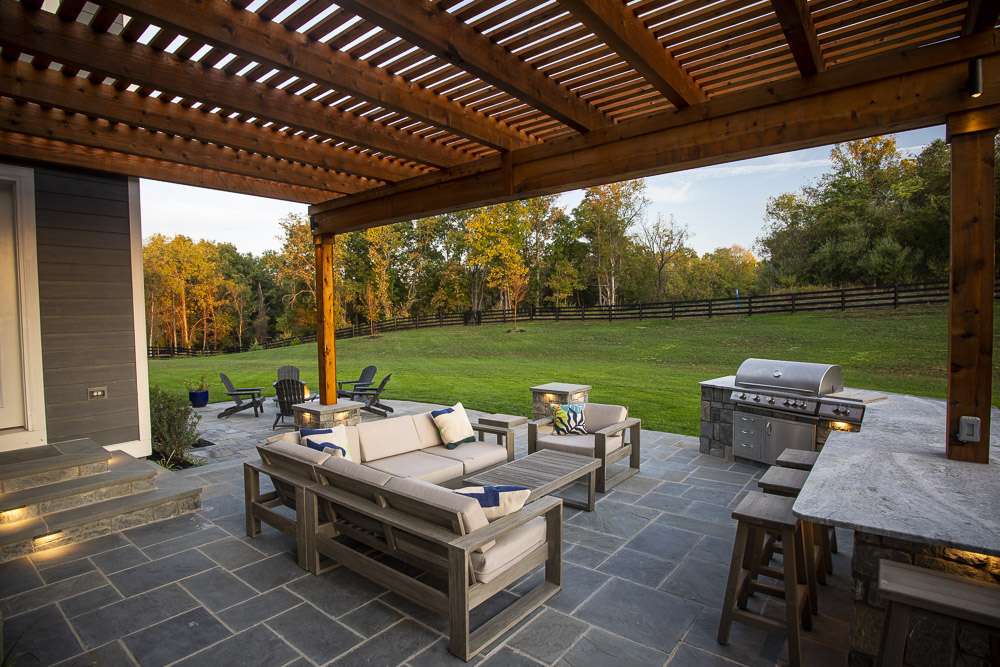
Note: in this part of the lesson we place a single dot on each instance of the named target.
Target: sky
(721, 205)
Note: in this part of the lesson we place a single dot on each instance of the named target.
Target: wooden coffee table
(544, 472)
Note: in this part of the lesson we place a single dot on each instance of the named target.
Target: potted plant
(198, 392)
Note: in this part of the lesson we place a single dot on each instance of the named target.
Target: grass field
(653, 366)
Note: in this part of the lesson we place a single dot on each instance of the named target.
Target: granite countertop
(892, 479)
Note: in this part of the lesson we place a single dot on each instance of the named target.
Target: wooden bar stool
(906, 587)
(789, 482)
(801, 459)
(758, 514)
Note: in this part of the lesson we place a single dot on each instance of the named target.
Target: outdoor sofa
(322, 499)
(605, 439)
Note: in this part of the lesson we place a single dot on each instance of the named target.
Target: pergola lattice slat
(218, 22)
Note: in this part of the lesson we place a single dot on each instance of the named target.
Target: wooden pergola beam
(76, 45)
(800, 33)
(75, 128)
(35, 149)
(896, 92)
(50, 88)
(436, 31)
(617, 26)
(980, 16)
(241, 32)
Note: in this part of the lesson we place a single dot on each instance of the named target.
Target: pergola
(377, 111)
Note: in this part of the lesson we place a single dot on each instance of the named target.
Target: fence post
(793, 303)
(895, 296)
(557, 313)
(611, 312)
(749, 306)
(710, 308)
(673, 310)
(843, 299)
(640, 311)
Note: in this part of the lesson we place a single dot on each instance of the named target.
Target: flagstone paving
(642, 584)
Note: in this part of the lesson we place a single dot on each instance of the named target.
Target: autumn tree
(383, 246)
(664, 240)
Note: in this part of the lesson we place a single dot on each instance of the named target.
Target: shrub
(174, 426)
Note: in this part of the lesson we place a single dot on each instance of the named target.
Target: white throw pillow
(453, 425)
(333, 443)
(499, 500)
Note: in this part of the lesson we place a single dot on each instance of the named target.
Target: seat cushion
(508, 549)
(427, 430)
(420, 465)
(474, 455)
(387, 437)
(600, 415)
(576, 444)
(298, 452)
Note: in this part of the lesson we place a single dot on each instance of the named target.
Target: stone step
(125, 476)
(48, 464)
(97, 519)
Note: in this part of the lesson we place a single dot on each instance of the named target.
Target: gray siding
(85, 294)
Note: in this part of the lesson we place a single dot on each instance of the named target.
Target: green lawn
(653, 366)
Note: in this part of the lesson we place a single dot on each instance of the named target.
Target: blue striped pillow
(498, 500)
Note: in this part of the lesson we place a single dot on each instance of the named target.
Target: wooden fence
(849, 298)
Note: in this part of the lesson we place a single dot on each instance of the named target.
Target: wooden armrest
(494, 430)
(478, 538)
(278, 474)
(615, 429)
(541, 421)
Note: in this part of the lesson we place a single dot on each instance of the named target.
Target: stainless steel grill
(767, 391)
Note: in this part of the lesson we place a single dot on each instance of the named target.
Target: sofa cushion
(298, 452)
(334, 439)
(600, 415)
(497, 500)
(427, 430)
(576, 444)
(569, 419)
(474, 456)
(387, 437)
(454, 426)
(356, 471)
(473, 516)
(508, 549)
(420, 465)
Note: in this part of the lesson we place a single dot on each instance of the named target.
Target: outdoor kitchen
(879, 457)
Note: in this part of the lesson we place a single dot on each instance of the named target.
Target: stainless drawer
(748, 435)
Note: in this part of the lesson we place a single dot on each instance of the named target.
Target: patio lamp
(975, 82)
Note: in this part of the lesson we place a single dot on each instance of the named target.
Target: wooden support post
(971, 278)
(326, 319)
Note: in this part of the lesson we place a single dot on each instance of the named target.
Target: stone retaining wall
(934, 640)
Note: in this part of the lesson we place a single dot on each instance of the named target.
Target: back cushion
(600, 415)
(298, 452)
(388, 437)
(356, 472)
(427, 430)
(473, 516)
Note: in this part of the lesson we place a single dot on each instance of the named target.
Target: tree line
(876, 217)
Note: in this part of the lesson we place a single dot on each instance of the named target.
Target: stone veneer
(716, 434)
(934, 640)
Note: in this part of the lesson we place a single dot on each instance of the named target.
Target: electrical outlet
(97, 393)
(969, 429)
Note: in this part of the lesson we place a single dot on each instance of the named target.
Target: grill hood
(790, 376)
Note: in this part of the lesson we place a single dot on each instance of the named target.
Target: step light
(48, 539)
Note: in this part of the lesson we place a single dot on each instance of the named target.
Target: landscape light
(13, 514)
(47, 538)
(975, 77)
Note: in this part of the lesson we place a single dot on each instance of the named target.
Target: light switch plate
(969, 429)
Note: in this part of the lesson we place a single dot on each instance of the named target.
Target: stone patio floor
(643, 581)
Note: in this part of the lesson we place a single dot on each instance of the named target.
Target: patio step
(38, 466)
(125, 476)
(71, 492)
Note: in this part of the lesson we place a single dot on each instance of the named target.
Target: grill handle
(768, 428)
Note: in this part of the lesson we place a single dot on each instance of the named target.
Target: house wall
(89, 277)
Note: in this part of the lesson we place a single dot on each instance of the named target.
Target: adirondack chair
(370, 397)
(364, 381)
(288, 373)
(244, 398)
(288, 392)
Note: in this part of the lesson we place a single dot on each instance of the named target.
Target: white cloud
(781, 163)
(668, 193)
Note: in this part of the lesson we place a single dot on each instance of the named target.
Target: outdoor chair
(288, 373)
(604, 439)
(370, 396)
(287, 392)
(364, 381)
(244, 398)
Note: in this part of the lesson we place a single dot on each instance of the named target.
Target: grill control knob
(837, 411)
(770, 400)
(756, 398)
(743, 396)
(787, 403)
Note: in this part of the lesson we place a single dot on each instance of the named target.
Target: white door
(11, 372)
